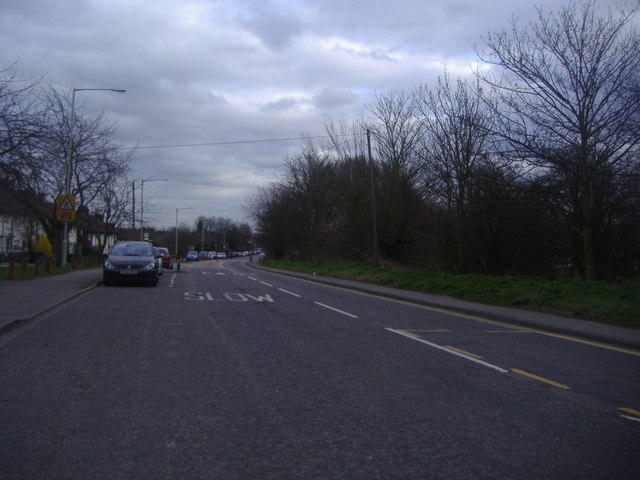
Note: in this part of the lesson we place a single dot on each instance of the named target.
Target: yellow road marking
(589, 342)
(407, 332)
(630, 410)
(541, 379)
(462, 351)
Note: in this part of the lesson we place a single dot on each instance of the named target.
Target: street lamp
(142, 202)
(177, 209)
(69, 160)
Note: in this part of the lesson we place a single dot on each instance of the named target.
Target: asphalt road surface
(226, 372)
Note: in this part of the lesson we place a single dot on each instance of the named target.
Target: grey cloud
(282, 105)
(373, 54)
(275, 27)
(332, 97)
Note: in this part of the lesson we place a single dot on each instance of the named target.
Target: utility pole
(374, 221)
(202, 241)
(142, 201)
(141, 210)
(133, 206)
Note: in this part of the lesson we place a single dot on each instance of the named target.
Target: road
(227, 372)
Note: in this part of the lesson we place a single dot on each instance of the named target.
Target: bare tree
(395, 131)
(113, 206)
(37, 170)
(346, 139)
(454, 123)
(394, 128)
(566, 103)
(354, 189)
(19, 114)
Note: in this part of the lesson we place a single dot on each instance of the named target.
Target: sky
(220, 92)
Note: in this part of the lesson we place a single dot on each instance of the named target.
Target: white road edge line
(635, 419)
(336, 310)
(444, 349)
(290, 293)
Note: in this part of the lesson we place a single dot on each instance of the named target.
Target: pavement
(22, 301)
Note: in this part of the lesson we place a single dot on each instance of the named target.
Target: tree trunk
(586, 230)
(587, 252)
(460, 237)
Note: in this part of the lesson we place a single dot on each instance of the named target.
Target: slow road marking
(229, 296)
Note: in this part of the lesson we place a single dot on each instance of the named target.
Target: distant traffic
(194, 255)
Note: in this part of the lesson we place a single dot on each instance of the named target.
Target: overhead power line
(225, 179)
(232, 142)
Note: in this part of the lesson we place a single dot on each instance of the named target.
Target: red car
(167, 261)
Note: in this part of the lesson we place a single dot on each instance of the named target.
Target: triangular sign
(66, 205)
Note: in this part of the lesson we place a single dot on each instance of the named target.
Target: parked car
(220, 255)
(203, 255)
(132, 262)
(158, 255)
(167, 261)
(192, 256)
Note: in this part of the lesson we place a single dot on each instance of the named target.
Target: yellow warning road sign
(66, 208)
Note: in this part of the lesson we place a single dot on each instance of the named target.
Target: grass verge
(595, 301)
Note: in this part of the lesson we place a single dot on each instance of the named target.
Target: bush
(43, 246)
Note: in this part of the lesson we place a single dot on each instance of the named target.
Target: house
(20, 229)
(90, 234)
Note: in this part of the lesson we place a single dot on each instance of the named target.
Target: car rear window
(132, 250)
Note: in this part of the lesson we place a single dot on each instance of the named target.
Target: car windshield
(132, 251)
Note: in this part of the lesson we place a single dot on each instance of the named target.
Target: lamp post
(69, 160)
(142, 202)
(177, 209)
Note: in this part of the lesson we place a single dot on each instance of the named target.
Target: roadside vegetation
(32, 272)
(530, 168)
(596, 301)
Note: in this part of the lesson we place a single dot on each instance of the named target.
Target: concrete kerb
(584, 329)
